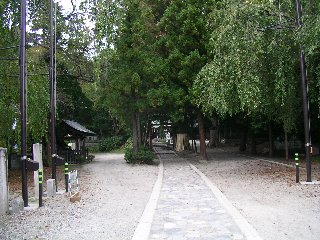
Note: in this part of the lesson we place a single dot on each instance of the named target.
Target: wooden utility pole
(52, 95)
(23, 100)
(304, 82)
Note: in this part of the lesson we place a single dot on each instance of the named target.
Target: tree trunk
(214, 134)
(182, 142)
(174, 139)
(286, 144)
(150, 135)
(214, 138)
(139, 130)
(253, 144)
(135, 137)
(211, 140)
(148, 139)
(270, 140)
(243, 140)
(202, 137)
(9, 153)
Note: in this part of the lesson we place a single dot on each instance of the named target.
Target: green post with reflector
(66, 175)
(40, 178)
(296, 159)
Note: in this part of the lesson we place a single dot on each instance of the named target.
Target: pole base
(310, 183)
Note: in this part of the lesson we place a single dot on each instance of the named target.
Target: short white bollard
(51, 188)
(17, 205)
(37, 156)
(4, 190)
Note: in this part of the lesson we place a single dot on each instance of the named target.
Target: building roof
(78, 128)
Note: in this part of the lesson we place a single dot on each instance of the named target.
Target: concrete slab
(310, 183)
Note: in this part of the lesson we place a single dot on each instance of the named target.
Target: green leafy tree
(9, 78)
(252, 69)
(124, 66)
(184, 38)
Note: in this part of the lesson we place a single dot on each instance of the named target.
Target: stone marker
(51, 188)
(73, 183)
(37, 156)
(17, 205)
(4, 191)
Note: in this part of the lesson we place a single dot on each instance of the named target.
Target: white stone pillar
(51, 188)
(37, 156)
(4, 190)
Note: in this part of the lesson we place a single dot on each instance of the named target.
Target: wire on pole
(9, 59)
(7, 48)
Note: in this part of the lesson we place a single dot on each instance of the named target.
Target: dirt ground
(266, 193)
(113, 197)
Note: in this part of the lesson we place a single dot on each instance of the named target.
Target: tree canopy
(128, 62)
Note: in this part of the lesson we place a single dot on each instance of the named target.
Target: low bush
(94, 148)
(81, 160)
(111, 143)
(143, 156)
(128, 144)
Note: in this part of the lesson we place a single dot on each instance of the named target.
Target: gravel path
(266, 194)
(113, 197)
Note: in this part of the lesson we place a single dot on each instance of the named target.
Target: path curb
(144, 226)
(249, 232)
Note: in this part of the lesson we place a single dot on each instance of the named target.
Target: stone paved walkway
(187, 208)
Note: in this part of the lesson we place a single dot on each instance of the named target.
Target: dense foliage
(251, 69)
(142, 156)
(74, 71)
(111, 143)
(142, 60)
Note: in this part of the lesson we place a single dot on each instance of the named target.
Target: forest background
(204, 63)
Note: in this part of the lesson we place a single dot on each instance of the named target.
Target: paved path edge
(245, 227)
(142, 231)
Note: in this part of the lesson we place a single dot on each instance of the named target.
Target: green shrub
(143, 156)
(80, 159)
(94, 148)
(128, 144)
(111, 143)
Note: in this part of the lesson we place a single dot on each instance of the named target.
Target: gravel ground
(113, 197)
(266, 194)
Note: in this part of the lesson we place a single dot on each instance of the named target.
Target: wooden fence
(75, 156)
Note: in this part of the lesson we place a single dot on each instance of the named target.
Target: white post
(37, 156)
(4, 190)
(51, 188)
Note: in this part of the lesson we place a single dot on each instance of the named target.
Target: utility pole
(304, 82)
(52, 95)
(23, 100)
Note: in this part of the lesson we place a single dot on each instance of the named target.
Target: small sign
(73, 183)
